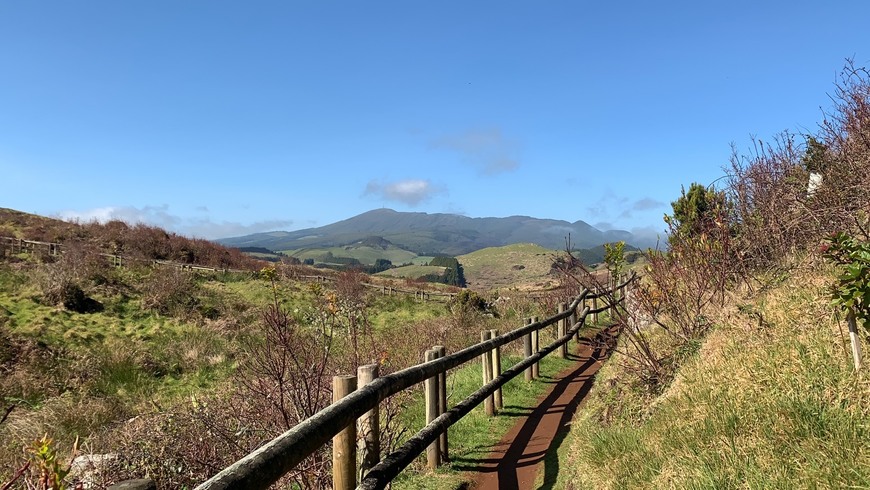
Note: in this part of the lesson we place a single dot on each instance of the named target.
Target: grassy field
(366, 255)
(75, 374)
(769, 401)
(412, 271)
(523, 266)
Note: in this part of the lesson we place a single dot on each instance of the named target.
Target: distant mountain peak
(436, 233)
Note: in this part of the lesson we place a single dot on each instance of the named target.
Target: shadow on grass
(515, 455)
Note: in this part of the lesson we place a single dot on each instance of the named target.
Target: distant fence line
(358, 407)
(18, 245)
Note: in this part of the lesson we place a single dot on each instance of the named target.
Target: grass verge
(769, 401)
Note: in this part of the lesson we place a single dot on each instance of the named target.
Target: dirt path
(515, 461)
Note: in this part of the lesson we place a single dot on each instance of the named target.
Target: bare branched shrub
(183, 445)
(766, 191)
(64, 280)
(287, 374)
(349, 308)
(289, 367)
(776, 209)
(169, 291)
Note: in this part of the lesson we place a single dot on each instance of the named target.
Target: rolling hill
(430, 234)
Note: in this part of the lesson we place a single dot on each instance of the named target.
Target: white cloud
(646, 203)
(202, 227)
(411, 191)
(650, 237)
(486, 149)
(152, 215)
(209, 229)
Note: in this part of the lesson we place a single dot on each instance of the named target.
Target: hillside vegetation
(174, 374)
(524, 266)
(770, 400)
(733, 368)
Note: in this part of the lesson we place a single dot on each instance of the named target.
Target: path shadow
(515, 456)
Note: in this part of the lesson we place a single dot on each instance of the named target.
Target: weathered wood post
(857, 356)
(595, 307)
(433, 456)
(368, 425)
(573, 319)
(344, 443)
(527, 349)
(486, 361)
(561, 330)
(496, 371)
(536, 337)
(613, 297)
(442, 403)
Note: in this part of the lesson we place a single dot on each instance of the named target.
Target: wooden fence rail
(270, 462)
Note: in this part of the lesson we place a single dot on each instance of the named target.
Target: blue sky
(219, 118)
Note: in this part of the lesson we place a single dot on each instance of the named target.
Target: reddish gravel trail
(515, 461)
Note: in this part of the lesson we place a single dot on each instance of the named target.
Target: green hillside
(366, 255)
(769, 399)
(437, 233)
(523, 265)
(162, 357)
(412, 271)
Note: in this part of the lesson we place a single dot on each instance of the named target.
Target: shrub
(170, 291)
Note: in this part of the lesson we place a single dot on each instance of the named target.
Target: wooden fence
(270, 462)
(17, 245)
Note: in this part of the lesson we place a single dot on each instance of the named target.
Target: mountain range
(437, 233)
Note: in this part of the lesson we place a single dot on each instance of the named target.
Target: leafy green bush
(852, 290)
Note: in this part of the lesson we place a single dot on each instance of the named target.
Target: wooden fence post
(595, 307)
(433, 456)
(613, 297)
(573, 319)
(561, 330)
(368, 425)
(496, 371)
(855, 339)
(344, 443)
(442, 403)
(536, 338)
(527, 349)
(486, 361)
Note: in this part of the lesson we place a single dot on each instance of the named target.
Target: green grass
(402, 310)
(522, 265)
(412, 271)
(771, 406)
(366, 255)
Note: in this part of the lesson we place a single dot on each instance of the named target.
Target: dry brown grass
(769, 401)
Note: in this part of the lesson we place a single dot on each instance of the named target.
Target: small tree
(852, 291)
(697, 210)
(614, 257)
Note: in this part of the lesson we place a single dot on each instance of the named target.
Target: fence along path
(270, 462)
